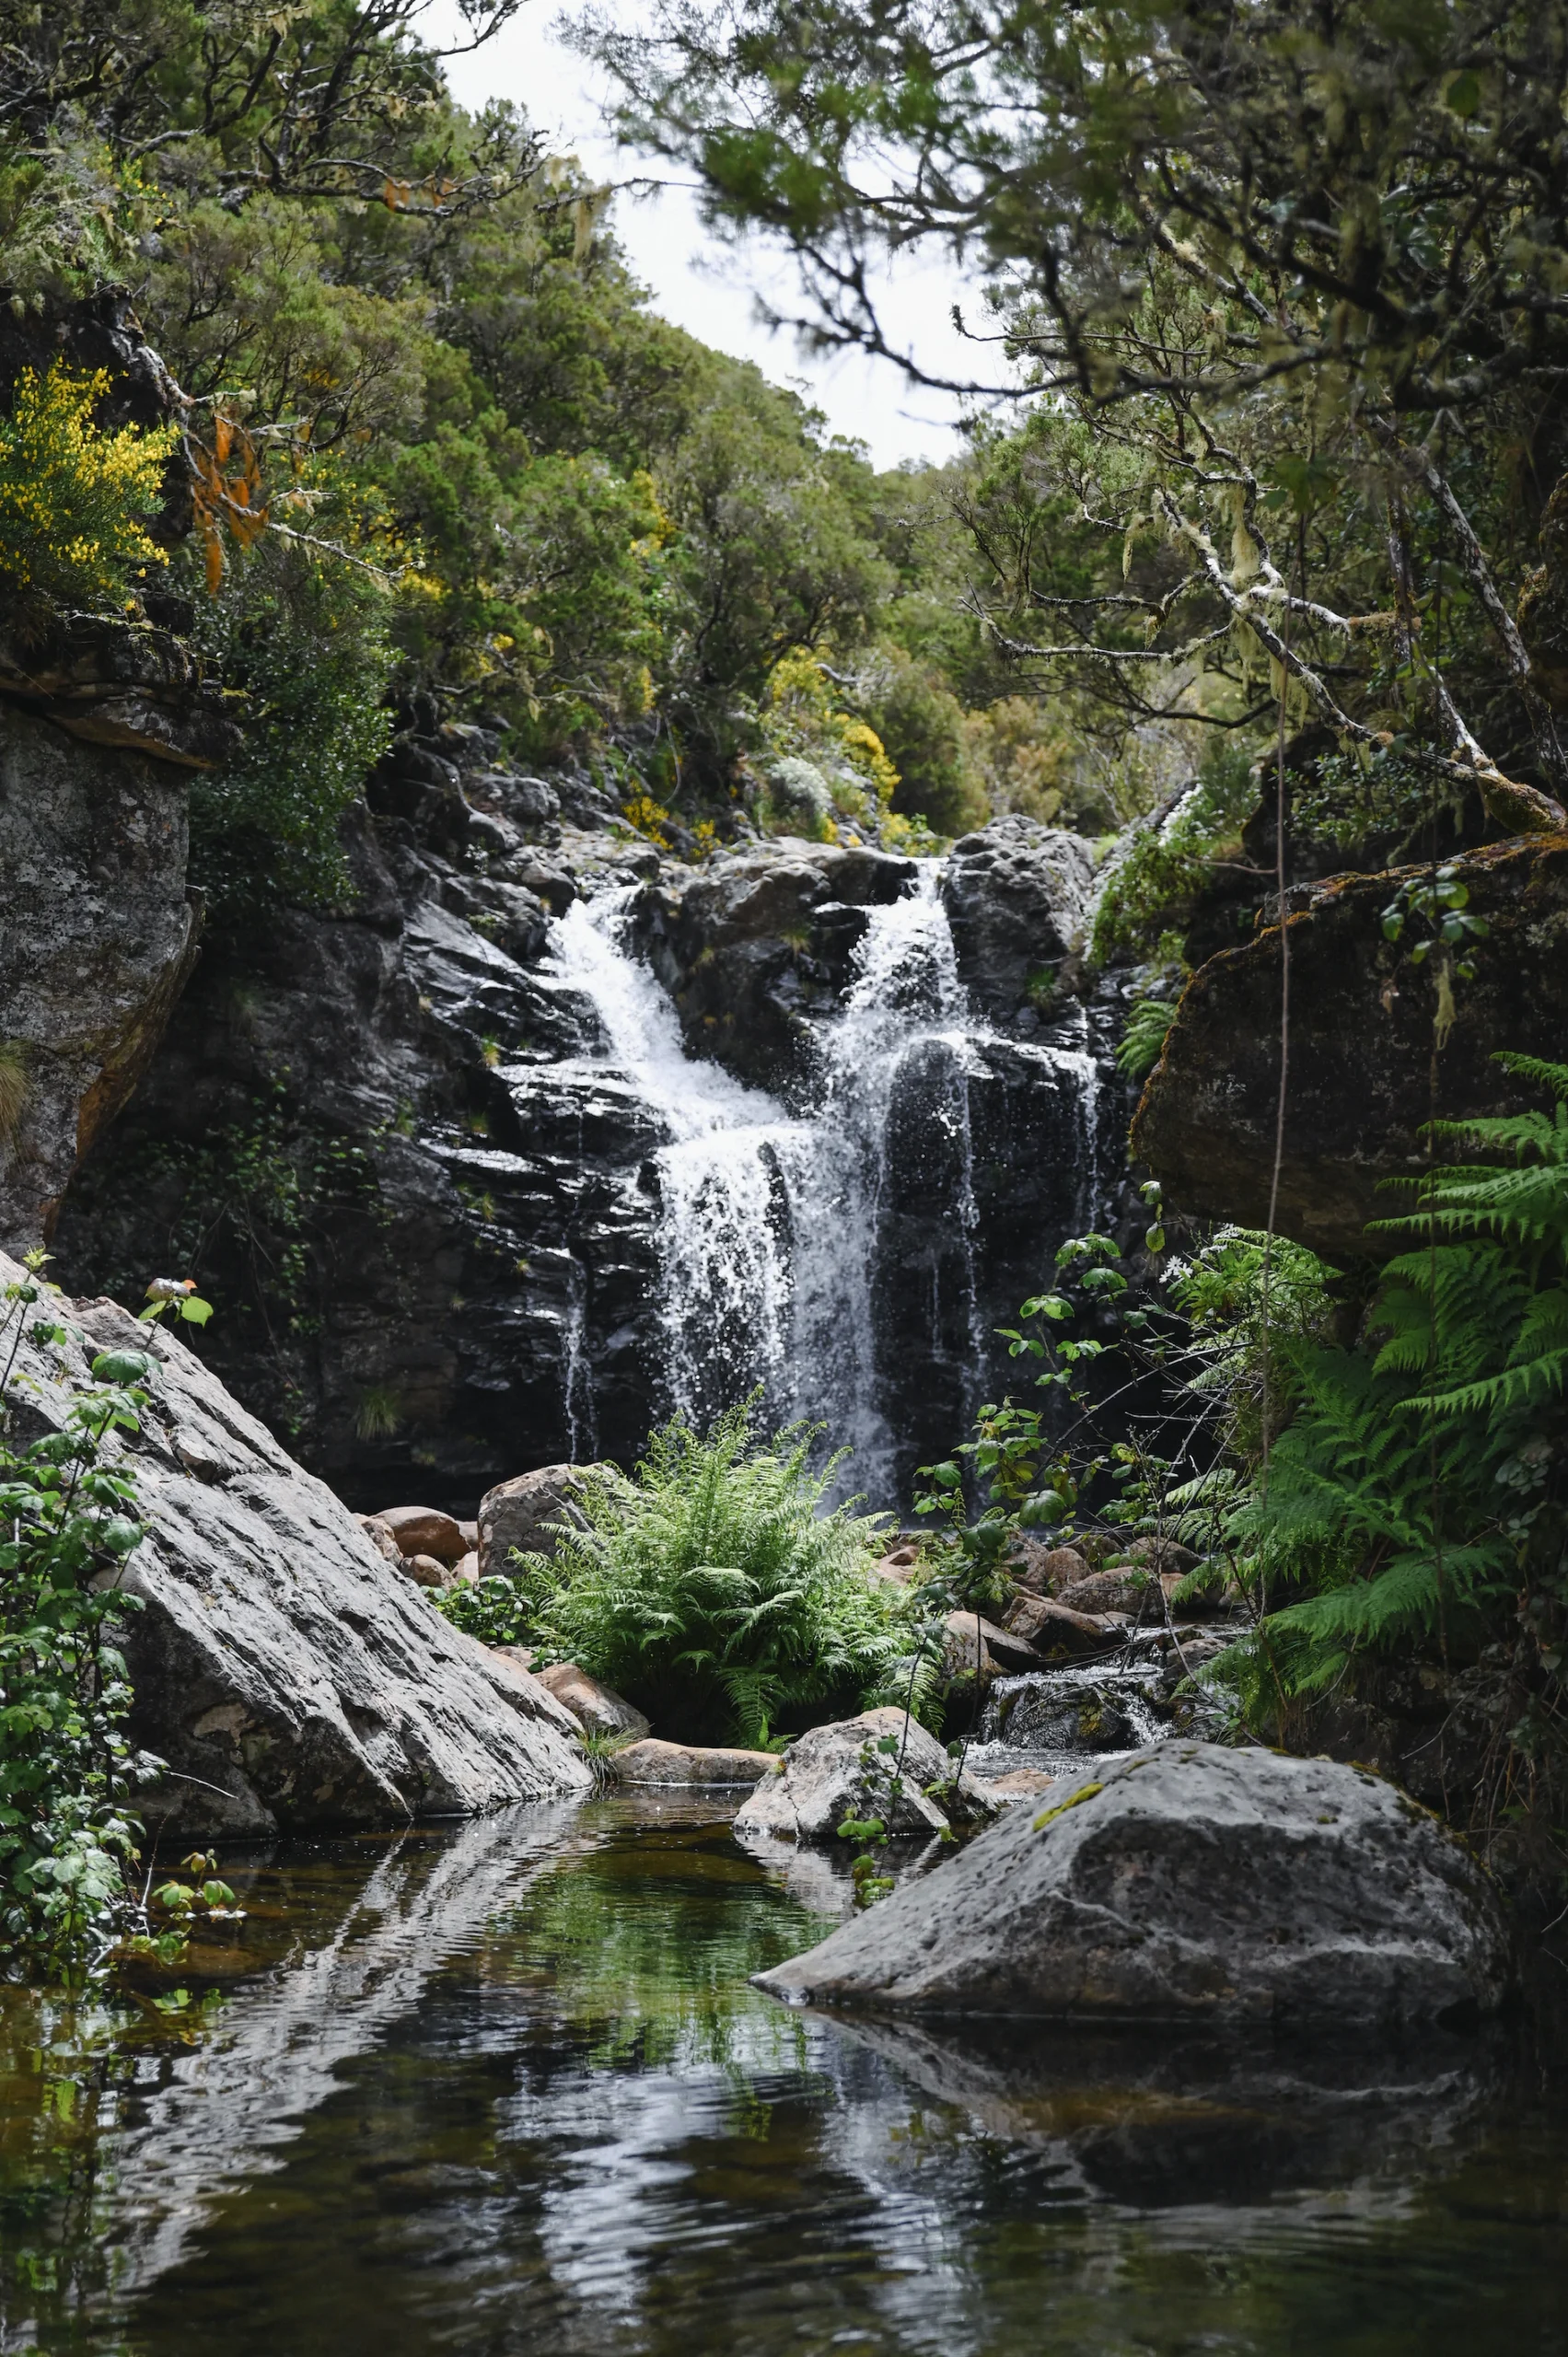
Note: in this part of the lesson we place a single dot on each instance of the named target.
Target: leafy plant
(1411, 1476)
(714, 1588)
(75, 499)
(69, 1509)
(1139, 1050)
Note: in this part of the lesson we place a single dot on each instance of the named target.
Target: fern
(715, 1589)
(1403, 1488)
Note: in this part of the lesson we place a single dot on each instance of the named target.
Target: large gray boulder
(1192, 1884)
(827, 1778)
(287, 1674)
(1017, 895)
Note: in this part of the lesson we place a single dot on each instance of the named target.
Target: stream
(505, 2088)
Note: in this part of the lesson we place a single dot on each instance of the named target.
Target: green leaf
(126, 1367)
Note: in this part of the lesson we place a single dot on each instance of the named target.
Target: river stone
(427, 1571)
(291, 1678)
(972, 1641)
(516, 1513)
(825, 1780)
(1049, 1627)
(598, 1709)
(653, 1762)
(1116, 1589)
(379, 1534)
(422, 1531)
(1194, 1884)
(1045, 1570)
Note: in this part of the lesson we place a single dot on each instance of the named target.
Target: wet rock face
(96, 942)
(287, 1674)
(757, 947)
(1017, 896)
(395, 1227)
(1360, 1051)
(1195, 1885)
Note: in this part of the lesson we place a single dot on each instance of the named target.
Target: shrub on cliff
(713, 1589)
(75, 500)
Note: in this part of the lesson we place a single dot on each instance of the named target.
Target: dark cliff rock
(1017, 896)
(408, 1222)
(1363, 1050)
(96, 943)
(757, 947)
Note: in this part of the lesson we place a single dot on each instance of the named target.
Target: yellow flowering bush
(73, 496)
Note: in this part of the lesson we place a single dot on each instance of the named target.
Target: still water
(507, 2090)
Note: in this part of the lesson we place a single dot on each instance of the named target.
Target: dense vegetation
(712, 1587)
(433, 432)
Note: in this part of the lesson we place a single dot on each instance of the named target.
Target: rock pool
(507, 2088)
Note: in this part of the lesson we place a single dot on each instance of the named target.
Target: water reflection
(510, 2089)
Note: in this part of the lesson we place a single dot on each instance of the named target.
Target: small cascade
(816, 1254)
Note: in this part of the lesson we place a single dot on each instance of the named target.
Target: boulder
(465, 1572)
(1063, 1716)
(1018, 1784)
(379, 1534)
(1045, 1570)
(517, 1513)
(1162, 1555)
(827, 1778)
(422, 1531)
(533, 1697)
(1017, 896)
(1194, 1884)
(597, 1709)
(973, 1642)
(653, 1762)
(291, 1678)
(1116, 1589)
(1046, 1627)
(426, 1571)
(1361, 1044)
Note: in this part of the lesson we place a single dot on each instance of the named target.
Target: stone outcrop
(96, 940)
(1194, 1884)
(287, 1674)
(827, 1778)
(1018, 896)
(1362, 1049)
(756, 949)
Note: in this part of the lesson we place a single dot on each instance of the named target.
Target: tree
(1293, 277)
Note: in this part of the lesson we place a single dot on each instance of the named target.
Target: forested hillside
(437, 441)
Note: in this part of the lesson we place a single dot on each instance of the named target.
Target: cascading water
(783, 1239)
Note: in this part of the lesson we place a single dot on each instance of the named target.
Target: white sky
(710, 290)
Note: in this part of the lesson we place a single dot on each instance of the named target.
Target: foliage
(66, 1835)
(714, 1585)
(308, 642)
(1283, 294)
(1166, 862)
(1138, 1051)
(75, 498)
(1415, 1467)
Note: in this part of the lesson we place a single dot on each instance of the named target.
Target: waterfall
(804, 1252)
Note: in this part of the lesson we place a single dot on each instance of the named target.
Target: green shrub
(1166, 866)
(1406, 1494)
(1141, 1043)
(305, 637)
(713, 1590)
(74, 499)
